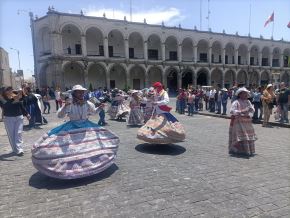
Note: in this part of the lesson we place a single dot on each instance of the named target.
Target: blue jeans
(224, 107)
(284, 112)
(102, 118)
(190, 109)
(219, 106)
(257, 106)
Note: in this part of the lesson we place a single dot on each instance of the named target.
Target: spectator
(283, 102)
(267, 101)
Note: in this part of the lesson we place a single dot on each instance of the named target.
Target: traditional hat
(269, 85)
(134, 91)
(157, 84)
(224, 89)
(243, 89)
(78, 87)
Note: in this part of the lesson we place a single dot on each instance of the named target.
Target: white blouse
(78, 112)
(161, 100)
(239, 105)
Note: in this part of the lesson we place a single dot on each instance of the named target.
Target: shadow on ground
(160, 149)
(41, 181)
(3, 157)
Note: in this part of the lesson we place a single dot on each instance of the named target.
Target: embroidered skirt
(242, 136)
(162, 129)
(75, 149)
(135, 117)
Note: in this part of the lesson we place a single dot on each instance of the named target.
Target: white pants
(14, 128)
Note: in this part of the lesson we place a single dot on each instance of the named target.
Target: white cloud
(170, 16)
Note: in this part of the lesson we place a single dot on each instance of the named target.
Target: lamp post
(17, 56)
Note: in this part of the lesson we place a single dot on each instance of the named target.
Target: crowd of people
(80, 147)
(265, 99)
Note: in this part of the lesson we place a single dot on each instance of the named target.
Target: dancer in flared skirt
(78, 148)
(162, 127)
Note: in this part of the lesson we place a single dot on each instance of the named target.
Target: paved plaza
(196, 178)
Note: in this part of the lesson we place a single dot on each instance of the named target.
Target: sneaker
(20, 154)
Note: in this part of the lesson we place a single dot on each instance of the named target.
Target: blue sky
(230, 15)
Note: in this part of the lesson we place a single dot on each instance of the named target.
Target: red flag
(288, 25)
(270, 19)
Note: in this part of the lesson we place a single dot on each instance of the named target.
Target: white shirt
(161, 100)
(78, 112)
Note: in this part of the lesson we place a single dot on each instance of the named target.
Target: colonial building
(6, 75)
(76, 49)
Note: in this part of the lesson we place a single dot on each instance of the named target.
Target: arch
(154, 47)
(265, 56)
(216, 54)
(136, 45)
(71, 40)
(187, 50)
(254, 55)
(97, 75)
(286, 57)
(187, 78)
(242, 78)
(202, 77)
(229, 78)
(94, 42)
(73, 74)
(118, 76)
(45, 41)
(171, 45)
(285, 78)
(154, 74)
(116, 44)
(230, 53)
(171, 78)
(253, 79)
(217, 78)
(276, 57)
(42, 77)
(243, 52)
(202, 51)
(137, 77)
(265, 77)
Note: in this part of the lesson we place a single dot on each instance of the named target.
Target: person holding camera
(13, 111)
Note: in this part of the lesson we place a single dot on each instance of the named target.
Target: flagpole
(250, 19)
(200, 14)
(273, 28)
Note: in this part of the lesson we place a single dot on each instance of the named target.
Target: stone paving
(196, 178)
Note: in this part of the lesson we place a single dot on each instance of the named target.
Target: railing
(138, 56)
(94, 53)
(70, 51)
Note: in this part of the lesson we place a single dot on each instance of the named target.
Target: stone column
(248, 57)
(84, 45)
(163, 51)
(236, 56)
(209, 55)
(146, 80)
(194, 78)
(179, 79)
(126, 48)
(223, 80)
(86, 78)
(179, 53)
(164, 79)
(281, 60)
(260, 58)
(55, 43)
(145, 51)
(106, 48)
(223, 55)
(195, 54)
(59, 80)
(271, 59)
(209, 79)
(108, 80)
(128, 79)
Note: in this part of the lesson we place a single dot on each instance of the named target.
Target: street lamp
(17, 56)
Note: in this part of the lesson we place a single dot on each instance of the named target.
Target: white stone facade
(75, 49)
(6, 76)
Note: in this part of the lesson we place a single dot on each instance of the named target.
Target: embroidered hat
(269, 85)
(243, 89)
(157, 84)
(224, 89)
(78, 87)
